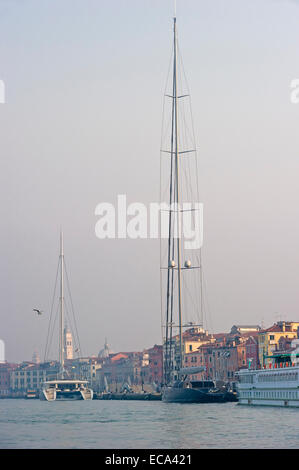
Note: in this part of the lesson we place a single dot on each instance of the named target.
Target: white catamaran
(63, 388)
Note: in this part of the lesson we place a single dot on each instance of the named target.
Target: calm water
(136, 424)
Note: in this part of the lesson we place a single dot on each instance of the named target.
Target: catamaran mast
(61, 336)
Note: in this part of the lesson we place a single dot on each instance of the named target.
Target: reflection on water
(149, 425)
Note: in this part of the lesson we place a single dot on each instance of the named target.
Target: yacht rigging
(63, 388)
(181, 267)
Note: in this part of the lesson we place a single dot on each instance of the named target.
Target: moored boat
(275, 385)
(186, 392)
(181, 264)
(200, 391)
(64, 388)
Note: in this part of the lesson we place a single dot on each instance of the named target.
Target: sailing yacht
(181, 268)
(64, 388)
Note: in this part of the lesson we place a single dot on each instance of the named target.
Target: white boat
(277, 385)
(64, 388)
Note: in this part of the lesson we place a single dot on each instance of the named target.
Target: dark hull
(230, 396)
(63, 395)
(129, 396)
(193, 395)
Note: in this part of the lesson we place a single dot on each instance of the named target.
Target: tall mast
(180, 174)
(174, 197)
(177, 200)
(61, 341)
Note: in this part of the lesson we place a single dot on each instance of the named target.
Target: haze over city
(81, 124)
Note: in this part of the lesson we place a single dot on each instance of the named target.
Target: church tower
(68, 344)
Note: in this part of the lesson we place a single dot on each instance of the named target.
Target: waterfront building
(5, 382)
(224, 355)
(131, 370)
(222, 361)
(89, 370)
(30, 376)
(252, 351)
(196, 358)
(119, 369)
(285, 345)
(155, 366)
(84, 368)
(193, 339)
(241, 329)
(268, 339)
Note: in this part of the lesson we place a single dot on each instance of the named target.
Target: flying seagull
(39, 312)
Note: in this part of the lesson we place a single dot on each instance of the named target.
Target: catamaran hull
(189, 395)
(50, 395)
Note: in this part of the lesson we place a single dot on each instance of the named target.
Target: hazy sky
(81, 124)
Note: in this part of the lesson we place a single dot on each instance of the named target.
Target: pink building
(252, 352)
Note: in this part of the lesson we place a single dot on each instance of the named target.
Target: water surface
(150, 425)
